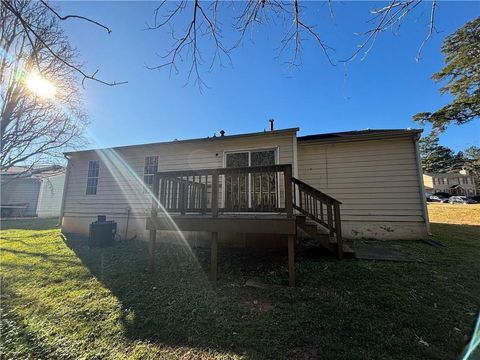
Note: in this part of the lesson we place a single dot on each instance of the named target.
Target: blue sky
(382, 91)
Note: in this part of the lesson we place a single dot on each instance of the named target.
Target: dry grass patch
(454, 214)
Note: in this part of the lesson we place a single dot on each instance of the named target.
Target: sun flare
(39, 85)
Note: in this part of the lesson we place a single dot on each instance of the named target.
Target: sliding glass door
(237, 185)
(256, 191)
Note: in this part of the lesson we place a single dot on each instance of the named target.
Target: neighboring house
(375, 174)
(32, 192)
(461, 183)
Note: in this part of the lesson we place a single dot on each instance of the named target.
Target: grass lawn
(60, 300)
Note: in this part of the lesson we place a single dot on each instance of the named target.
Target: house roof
(207, 139)
(34, 172)
(346, 135)
(360, 134)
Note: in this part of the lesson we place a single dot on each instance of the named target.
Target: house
(375, 174)
(35, 191)
(258, 189)
(461, 183)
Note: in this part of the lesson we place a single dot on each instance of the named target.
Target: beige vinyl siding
(121, 170)
(376, 180)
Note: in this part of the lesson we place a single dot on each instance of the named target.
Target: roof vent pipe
(222, 132)
(271, 124)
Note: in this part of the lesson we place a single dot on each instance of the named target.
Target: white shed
(36, 192)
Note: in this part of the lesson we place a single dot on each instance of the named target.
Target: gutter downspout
(420, 184)
(40, 196)
(295, 165)
(295, 156)
(64, 195)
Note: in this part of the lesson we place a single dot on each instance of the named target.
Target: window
(92, 177)
(151, 168)
(250, 191)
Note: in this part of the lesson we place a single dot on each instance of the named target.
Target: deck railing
(320, 207)
(255, 189)
(251, 189)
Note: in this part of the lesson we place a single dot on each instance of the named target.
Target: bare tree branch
(66, 17)
(390, 17)
(33, 36)
(430, 30)
(203, 23)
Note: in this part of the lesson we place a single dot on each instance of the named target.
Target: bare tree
(27, 25)
(36, 127)
(197, 32)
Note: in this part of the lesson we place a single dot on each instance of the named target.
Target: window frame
(90, 188)
(149, 185)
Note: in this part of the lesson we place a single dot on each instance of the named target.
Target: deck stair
(318, 235)
(318, 218)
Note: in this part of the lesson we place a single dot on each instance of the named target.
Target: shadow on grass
(341, 309)
(29, 224)
(44, 256)
(178, 306)
(17, 341)
(459, 231)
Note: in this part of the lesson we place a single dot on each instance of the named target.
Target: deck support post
(153, 238)
(213, 257)
(153, 215)
(291, 261)
(338, 230)
(288, 191)
(215, 194)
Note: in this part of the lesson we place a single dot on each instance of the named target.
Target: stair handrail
(317, 205)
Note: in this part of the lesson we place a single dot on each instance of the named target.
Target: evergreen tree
(462, 76)
(435, 157)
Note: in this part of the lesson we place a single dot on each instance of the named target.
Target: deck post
(215, 194)
(338, 230)
(182, 197)
(288, 191)
(204, 199)
(152, 245)
(330, 217)
(213, 257)
(153, 215)
(291, 261)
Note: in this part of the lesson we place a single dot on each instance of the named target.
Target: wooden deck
(255, 200)
(238, 223)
